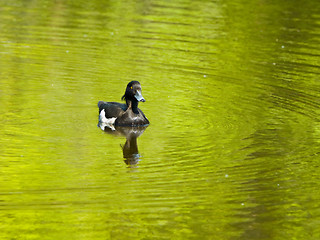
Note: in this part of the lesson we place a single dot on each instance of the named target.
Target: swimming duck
(119, 114)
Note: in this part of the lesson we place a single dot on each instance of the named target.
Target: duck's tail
(100, 103)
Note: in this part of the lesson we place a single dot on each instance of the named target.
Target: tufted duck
(119, 114)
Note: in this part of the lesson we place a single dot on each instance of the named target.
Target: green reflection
(232, 94)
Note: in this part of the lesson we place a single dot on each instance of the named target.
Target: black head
(133, 92)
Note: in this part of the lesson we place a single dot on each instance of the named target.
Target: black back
(112, 109)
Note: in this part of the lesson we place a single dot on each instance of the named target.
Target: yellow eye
(130, 87)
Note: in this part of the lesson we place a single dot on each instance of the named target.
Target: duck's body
(128, 114)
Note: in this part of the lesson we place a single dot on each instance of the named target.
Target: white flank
(106, 122)
(103, 119)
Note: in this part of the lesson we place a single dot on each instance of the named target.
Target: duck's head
(133, 92)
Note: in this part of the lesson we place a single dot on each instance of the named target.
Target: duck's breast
(129, 118)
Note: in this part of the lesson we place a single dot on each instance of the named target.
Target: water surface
(232, 90)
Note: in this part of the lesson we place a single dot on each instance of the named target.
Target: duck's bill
(139, 97)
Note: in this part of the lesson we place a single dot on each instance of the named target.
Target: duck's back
(112, 109)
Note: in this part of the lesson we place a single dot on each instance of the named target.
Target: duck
(128, 114)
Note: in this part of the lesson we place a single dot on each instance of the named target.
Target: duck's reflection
(130, 148)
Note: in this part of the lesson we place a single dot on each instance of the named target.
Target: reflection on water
(233, 96)
(130, 148)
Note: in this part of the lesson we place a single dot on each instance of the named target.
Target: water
(232, 94)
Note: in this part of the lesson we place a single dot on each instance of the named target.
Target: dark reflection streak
(174, 35)
(308, 54)
(50, 204)
(184, 15)
(178, 67)
(170, 40)
(289, 99)
(284, 69)
(291, 64)
(288, 73)
(170, 7)
(295, 95)
(178, 50)
(302, 107)
(130, 148)
(51, 190)
(162, 22)
(283, 103)
(312, 45)
(267, 145)
(165, 34)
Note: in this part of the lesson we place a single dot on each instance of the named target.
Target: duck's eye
(130, 87)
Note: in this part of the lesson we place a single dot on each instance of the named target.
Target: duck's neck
(133, 105)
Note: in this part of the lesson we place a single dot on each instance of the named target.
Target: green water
(232, 92)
